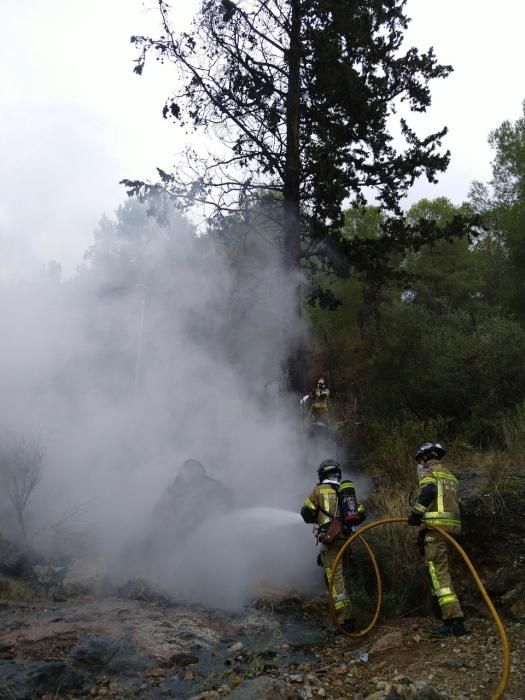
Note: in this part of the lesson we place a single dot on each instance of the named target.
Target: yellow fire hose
(504, 679)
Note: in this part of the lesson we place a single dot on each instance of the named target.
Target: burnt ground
(120, 648)
(59, 641)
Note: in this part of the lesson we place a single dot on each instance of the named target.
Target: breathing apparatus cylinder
(348, 504)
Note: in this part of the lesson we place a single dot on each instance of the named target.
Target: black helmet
(328, 470)
(430, 450)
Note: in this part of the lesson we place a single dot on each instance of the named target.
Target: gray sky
(74, 119)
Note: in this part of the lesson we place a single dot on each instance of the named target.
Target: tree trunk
(291, 197)
(20, 518)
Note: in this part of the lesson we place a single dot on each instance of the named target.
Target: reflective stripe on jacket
(323, 496)
(444, 509)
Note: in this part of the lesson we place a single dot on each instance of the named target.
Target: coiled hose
(504, 679)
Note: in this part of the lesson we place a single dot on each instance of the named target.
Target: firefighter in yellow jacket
(438, 504)
(332, 506)
(319, 398)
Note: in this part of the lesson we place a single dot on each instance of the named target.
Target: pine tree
(305, 95)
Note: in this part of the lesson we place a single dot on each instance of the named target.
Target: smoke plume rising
(164, 346)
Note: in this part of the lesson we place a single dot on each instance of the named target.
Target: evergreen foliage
(501, 205)
(304, 95)
(445, 331)
(419, 315)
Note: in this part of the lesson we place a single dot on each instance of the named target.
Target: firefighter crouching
(438, 504)
(332, 506)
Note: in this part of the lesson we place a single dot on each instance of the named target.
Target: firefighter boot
(453, 627)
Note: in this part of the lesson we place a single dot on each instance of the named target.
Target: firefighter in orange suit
(332, 502)
(438, 504)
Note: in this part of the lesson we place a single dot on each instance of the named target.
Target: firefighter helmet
(320, 382)
(430, 450)
(329, 469)
(192, 467)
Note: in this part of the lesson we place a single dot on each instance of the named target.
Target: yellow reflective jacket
(323, 497)
(322, 505)
(320, 398)
(443, 510)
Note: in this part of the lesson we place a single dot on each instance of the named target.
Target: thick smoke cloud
(160, 349)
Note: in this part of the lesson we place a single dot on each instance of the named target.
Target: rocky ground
(139, 645)
(67, 633)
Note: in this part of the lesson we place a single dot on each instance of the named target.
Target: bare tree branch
(21, 466)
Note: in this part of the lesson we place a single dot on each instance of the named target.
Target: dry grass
(13, 590)
(390, 463)
(499, 472)
(511, 426)
(391, 447)
(405, 585)
(396, 542)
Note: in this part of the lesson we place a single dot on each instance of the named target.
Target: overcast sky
(74, 119)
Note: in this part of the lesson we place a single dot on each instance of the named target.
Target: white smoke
(162, 348)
